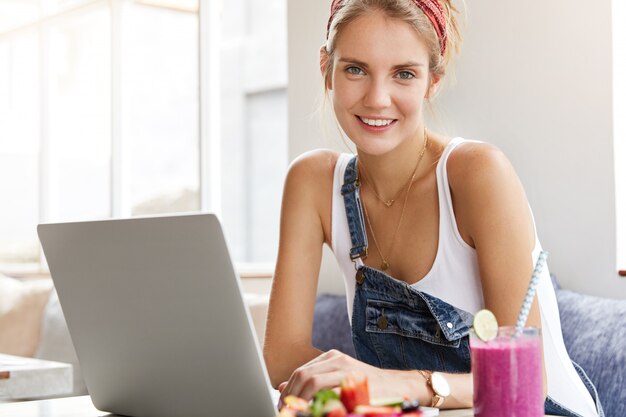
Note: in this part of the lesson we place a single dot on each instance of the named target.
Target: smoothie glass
(507, 371)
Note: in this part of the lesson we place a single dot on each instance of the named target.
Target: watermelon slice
(354, 393)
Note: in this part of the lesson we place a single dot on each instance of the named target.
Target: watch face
(440, 385)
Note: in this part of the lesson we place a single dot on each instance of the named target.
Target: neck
(387, 174)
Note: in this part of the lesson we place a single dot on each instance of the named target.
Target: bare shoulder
(309, 188)
(479, 166)
(487, 193)
(312, 172)
(310, 165)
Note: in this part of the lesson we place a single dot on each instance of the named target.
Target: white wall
(306, 22)
(619, 124)
(534, 80)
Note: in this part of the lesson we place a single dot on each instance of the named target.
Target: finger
(319, 381)
(327, 362)
(295, 380)
(337, 366)
(297, 374)
(282, 386)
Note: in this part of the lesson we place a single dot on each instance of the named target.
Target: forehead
(376, 38)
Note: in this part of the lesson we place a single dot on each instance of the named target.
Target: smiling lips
(376, 125)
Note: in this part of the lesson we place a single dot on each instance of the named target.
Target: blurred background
(117, 108)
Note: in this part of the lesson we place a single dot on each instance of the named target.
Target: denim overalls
(395, 326)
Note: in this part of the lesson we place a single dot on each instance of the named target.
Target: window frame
(210, 188)
(208, 140)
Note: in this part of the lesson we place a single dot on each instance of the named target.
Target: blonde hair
(407, 11)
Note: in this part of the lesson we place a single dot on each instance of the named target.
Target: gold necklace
(384, 265)
(389, 203)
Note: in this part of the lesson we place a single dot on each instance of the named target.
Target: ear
(324, 63)
(434, 86)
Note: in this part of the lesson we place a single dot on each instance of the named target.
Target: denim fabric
(590, 387)
(395, 326)
(554, 408)
(354, 208)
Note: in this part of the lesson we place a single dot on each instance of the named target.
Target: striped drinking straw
(530, 293)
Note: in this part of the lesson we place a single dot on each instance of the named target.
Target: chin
(375, 146)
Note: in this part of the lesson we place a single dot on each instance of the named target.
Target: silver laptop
(157, 317)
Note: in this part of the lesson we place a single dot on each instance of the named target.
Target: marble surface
(23, 378)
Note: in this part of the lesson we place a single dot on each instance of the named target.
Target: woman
(448, 217)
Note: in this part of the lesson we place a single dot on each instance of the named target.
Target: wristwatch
(438, 383)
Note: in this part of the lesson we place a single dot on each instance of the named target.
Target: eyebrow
(364, 65)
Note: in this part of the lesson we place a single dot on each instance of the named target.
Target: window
(19, 147)
(254, 124)
(103, 114)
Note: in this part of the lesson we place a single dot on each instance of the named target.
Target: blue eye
(354, 70)
(405, 75)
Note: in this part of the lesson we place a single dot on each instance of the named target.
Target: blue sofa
(594, 330)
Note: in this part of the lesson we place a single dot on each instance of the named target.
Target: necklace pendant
(388, 203)
(384, 265)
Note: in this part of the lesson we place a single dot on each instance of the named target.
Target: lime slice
(485, 325)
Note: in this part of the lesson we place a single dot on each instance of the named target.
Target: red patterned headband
(431, 8)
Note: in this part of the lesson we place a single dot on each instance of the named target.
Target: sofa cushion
(21, 310)
(594, 331)
(331, 325)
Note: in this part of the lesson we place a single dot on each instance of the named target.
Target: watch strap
(437, 400)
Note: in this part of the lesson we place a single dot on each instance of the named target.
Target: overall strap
(354, 210)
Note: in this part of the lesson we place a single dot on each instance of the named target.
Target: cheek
(410, 104)
(345, 96)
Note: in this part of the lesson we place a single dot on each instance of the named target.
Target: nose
(377, 95)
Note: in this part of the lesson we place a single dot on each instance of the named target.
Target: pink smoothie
(508, 375)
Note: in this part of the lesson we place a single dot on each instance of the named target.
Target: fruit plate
(429, 411)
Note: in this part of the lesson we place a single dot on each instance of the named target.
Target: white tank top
(454, 278)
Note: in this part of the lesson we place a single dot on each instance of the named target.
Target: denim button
(382, 322)
(360, 276)
(449, 325)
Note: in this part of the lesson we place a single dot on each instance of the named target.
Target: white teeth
(376, 122)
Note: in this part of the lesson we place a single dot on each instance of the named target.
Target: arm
(307, 193)
(494, 217)
(330, 368)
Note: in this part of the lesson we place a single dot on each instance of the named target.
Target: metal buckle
(359, 255)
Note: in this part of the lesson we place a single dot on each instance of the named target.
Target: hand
(330, 368)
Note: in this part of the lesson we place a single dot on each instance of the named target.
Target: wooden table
(82, 407)
(22, 378)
